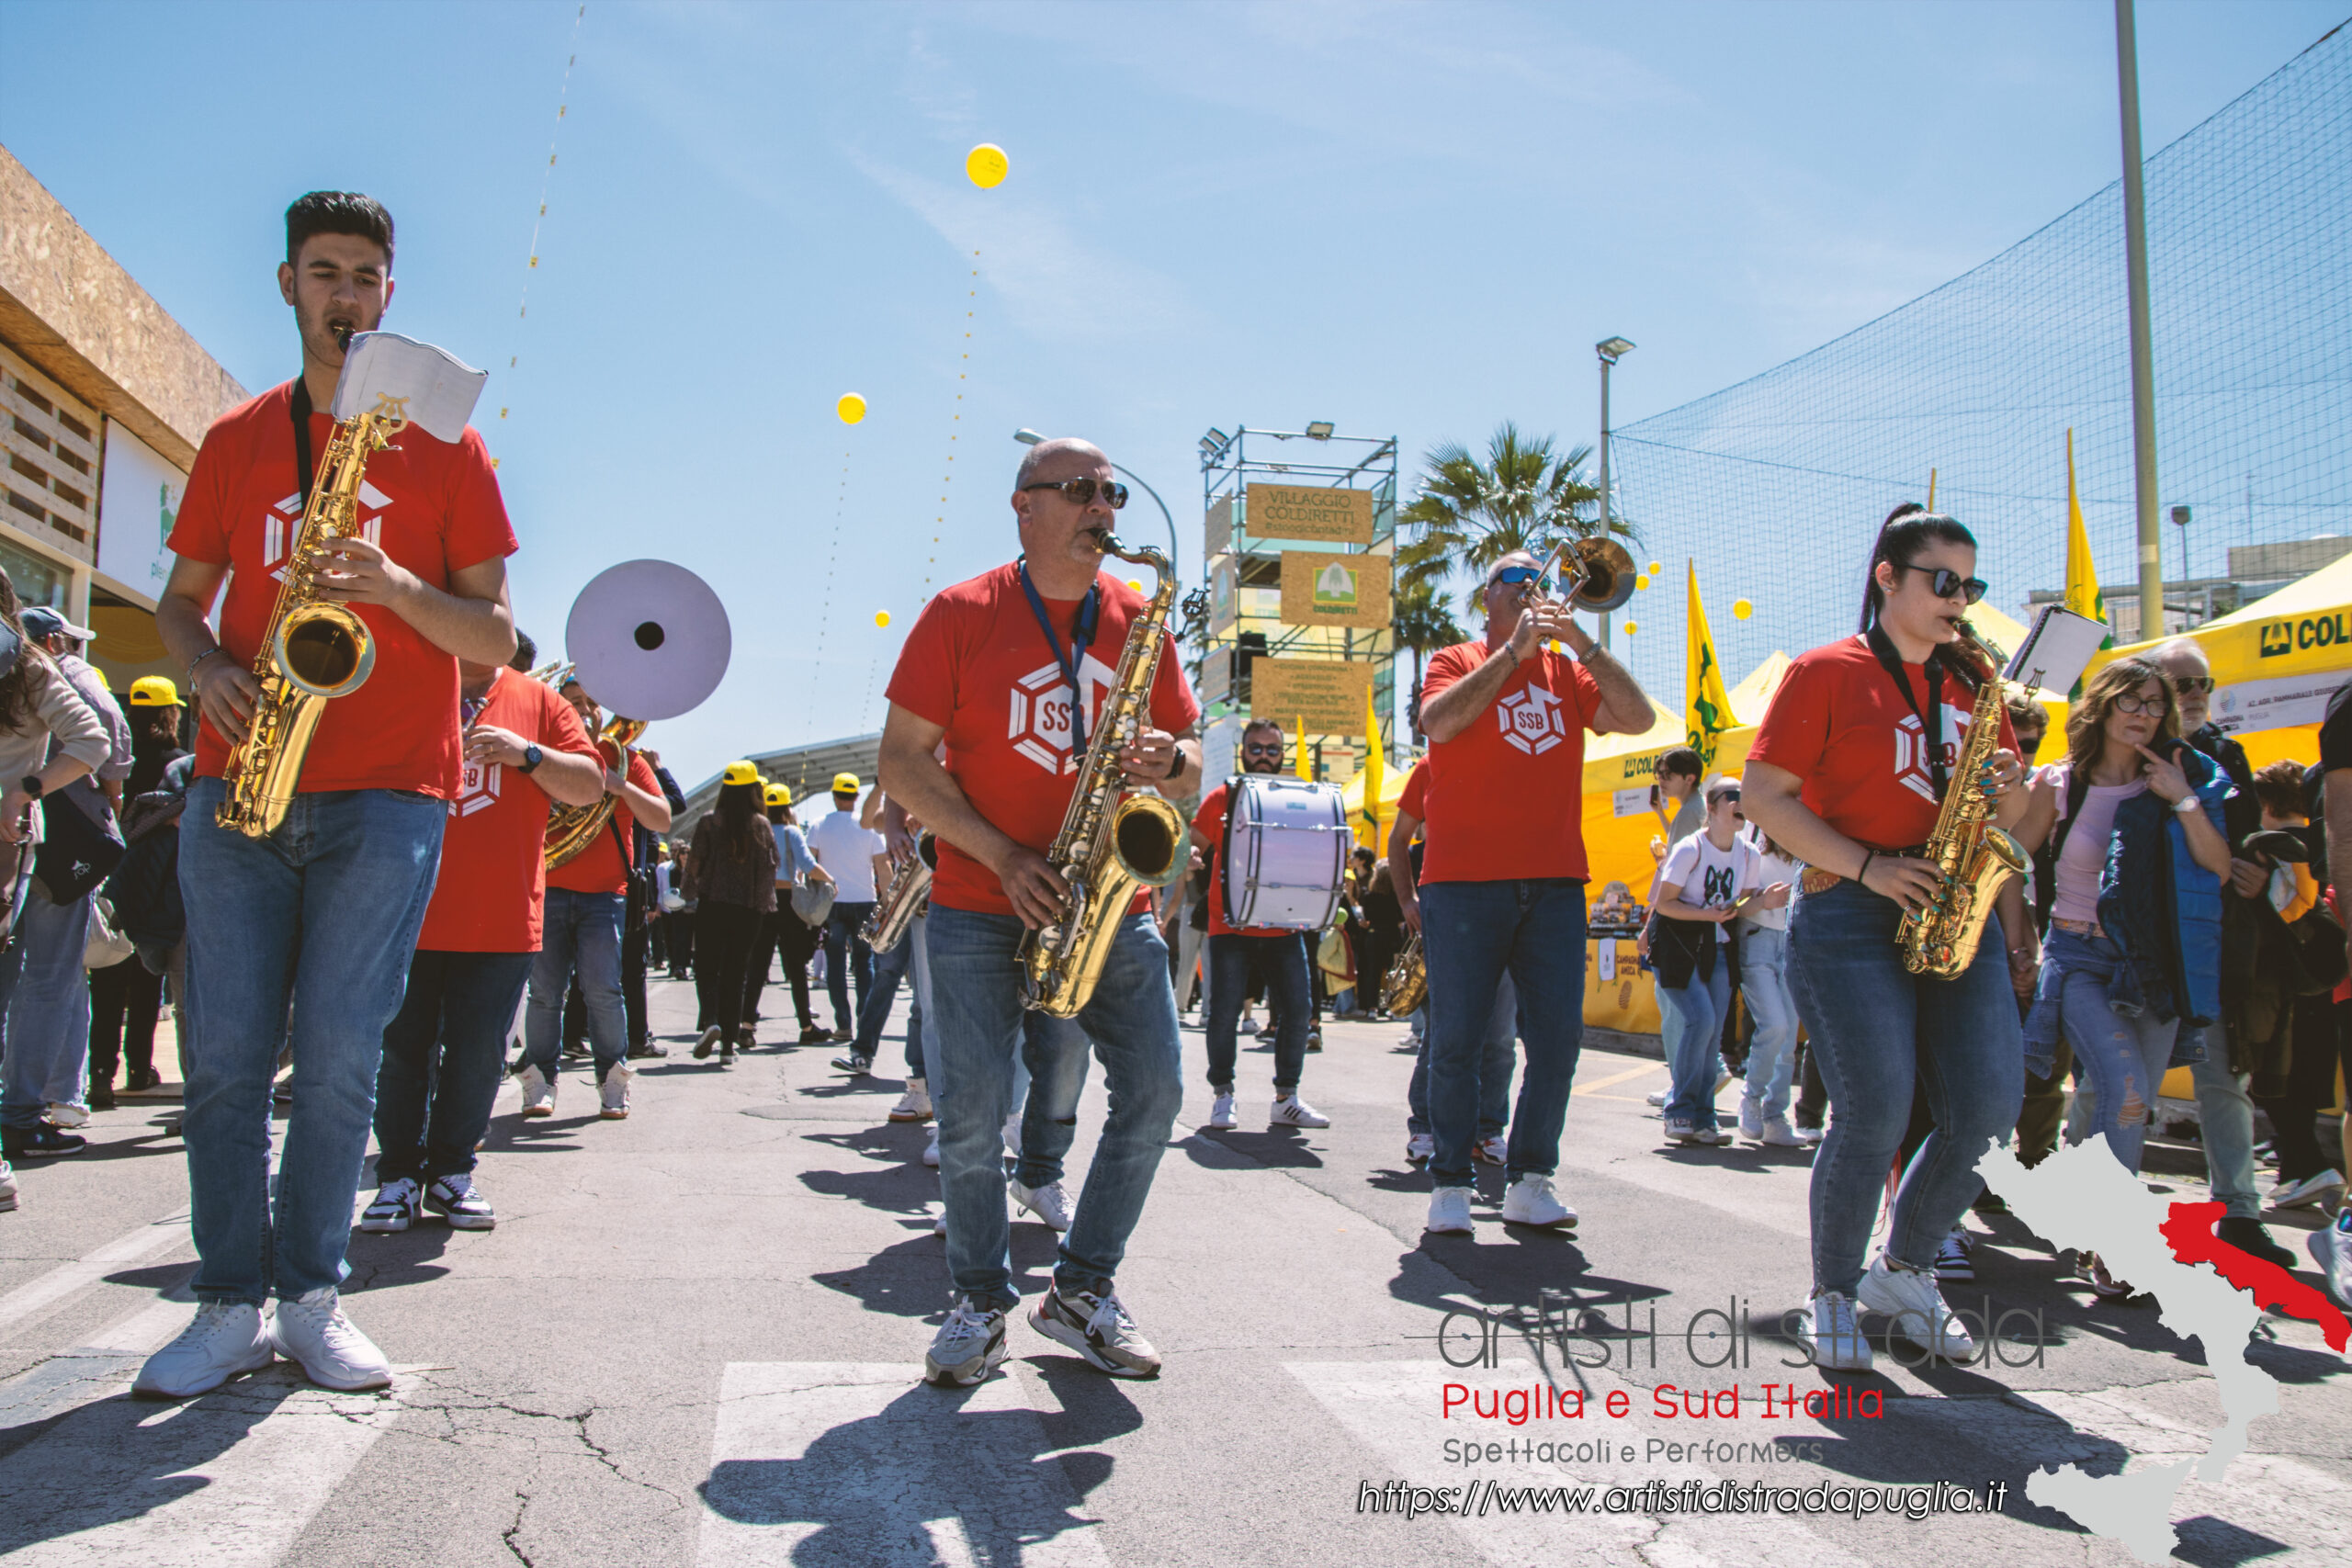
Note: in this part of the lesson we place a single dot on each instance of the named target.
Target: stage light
(1027, 436)
(1612, 349)
(1320, 429)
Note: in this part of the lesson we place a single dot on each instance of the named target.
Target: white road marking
(36, 1298)
(816, 1463)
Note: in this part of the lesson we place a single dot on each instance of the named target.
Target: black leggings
(124, 998)
(723, 937)
(2320, 1044)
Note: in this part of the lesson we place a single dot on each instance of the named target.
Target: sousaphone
(648, 639)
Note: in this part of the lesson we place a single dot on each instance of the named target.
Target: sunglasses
(1730, 794)
(2185, 684)
(1254, 750)
(1512, 576)
(2129, 704)
(1082, 491)
(1943, 582)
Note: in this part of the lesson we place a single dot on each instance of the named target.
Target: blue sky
(1408, 219)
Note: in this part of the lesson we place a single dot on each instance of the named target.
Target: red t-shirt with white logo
(1208, 831)
(432, 505)
(976, 664)
(493, 888)
(599, 868)
(1838, 724)
(1506, 796)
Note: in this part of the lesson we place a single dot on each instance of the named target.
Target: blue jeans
(1879, 1032)
(443, 1054)
(319, 918)
(1472, 934)
(2226, 1114)
(1694, 1031)
(45, 996)
(978, 1024)
(1772, 1050)
(1281, 962)
(2122, 1054)
(1496, 1060)
(581, 930)
(846, 952)
(874, 1006)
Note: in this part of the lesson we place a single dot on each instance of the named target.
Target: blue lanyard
(1081, 636)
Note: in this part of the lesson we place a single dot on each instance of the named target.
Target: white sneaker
(939, 1224)
(1419, 1148)
(614, 1092)
(1221, 1113)
(967, 1347)
(1049, 1202)
(1751, 1120)
(931, 1147)
(2313, 1191)
(1099, 1329)
(538, 1094)
(1828, 1327)
(1916, 1309)
(456, 1200)
(1292, 1111)
(1811, 1136)
(2331, 1250)
(915, 1104)
(7, 1188)
(1530, 1203)
(1657, 1097)
(227, 1338)
(1491, 1151)
(1450, 1212)
(61, 1114)
(313, 1332)
(395, 1206)
(1777, 1134)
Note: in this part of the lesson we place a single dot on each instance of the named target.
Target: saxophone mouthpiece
(342, 336)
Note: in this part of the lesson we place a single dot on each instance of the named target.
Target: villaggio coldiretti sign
(1328, 694)
(1323, 590)
(1301, 512)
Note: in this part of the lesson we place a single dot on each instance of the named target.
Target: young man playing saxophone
(324, 913)
(1011, 669)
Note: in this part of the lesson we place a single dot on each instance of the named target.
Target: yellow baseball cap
(154, 692)
(845, 783)
(779, 795)
(739, 774)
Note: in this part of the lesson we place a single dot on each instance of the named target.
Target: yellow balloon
(1631, 627)
(986, 164)
(881, 617)
(1741, 609)
(1136, 583)
(1641, 582)
(1656, 569)
(852, 408)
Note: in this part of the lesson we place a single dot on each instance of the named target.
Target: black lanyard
(1081, 636)
(301, 410)
(1931, 722)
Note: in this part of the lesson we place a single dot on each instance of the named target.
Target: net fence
(1776, 486)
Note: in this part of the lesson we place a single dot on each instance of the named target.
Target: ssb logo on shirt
(1912, 764)
(1039, 712)
(477, 788)
(282, 522)
(1531, 720)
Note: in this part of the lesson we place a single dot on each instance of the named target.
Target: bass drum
(1286, 849)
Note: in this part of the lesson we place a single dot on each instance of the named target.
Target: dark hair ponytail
(1907, 528)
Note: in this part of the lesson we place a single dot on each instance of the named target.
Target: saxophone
(1973, 857)
(1112, 843)
(313, 648)
(907, 897)
(1408, 985)
(572, 828)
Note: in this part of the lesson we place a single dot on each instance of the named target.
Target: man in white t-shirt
(1702, 884)
(846, 849)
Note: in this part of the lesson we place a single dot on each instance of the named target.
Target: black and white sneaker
(458, 1201)
(394, 1208)
(1099, 1329)
(967, 1347)
(852, 1063)
(1951, 1256)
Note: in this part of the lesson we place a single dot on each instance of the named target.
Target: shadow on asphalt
(908, 1278)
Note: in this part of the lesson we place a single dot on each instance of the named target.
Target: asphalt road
(695, 1338)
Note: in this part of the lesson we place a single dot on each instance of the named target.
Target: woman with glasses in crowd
(2130, 825)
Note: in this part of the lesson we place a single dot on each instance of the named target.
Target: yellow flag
(1305, 766)
(1707, 706)
(1373, 761)
(2082, 596)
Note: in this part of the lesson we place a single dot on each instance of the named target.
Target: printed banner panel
(1329, 695)
(1325, 590)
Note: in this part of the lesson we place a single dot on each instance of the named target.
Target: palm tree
(1523, 497)
(1419, 621)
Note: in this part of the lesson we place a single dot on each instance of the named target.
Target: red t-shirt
(599, 868)
(493, 853)
(976, 664)
(1415, 799)
(1208, 831)
(433, 506)
(1506, 796)
(1837, 723)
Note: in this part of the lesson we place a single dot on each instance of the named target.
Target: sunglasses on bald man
(1081, 492)
(1512, 576)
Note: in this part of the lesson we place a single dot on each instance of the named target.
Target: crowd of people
(475, 879)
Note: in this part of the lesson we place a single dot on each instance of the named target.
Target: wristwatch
(30, 784)
(2185, 804)
(531, 757)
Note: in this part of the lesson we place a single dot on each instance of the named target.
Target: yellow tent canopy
(1753, 695)
(2277, 661)
(1392, 789)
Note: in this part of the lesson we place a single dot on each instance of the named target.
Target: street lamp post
(1611, 351)
(1028, 437)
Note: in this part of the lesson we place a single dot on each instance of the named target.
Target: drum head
(650, 639)
(1288, 845)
